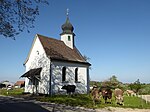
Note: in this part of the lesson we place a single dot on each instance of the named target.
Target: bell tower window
(69, 38)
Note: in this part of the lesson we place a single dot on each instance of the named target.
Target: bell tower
(67, 36)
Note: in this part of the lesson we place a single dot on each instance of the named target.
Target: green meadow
(83, 100)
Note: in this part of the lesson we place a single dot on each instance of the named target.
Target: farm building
(19, 84)
(53, 63)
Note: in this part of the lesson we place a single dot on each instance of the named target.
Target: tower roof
(67, 27)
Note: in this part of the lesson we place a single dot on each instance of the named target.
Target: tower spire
(67, 26)
(67, 35)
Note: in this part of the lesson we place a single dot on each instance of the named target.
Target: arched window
(63, 74)
(76, 75)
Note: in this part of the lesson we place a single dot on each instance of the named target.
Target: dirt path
(117, 109)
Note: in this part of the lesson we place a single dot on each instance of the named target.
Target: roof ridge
(47, 37)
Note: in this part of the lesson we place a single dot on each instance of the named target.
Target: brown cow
(95, 94)
(118, 93)
(106, 93)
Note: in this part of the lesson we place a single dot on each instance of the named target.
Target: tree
(18, 15)
(112, 82)
(113, 79)
(136, 86)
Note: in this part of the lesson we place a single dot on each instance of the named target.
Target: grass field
(12, 92)
(135, 102)
(83, 100)
(86, 101)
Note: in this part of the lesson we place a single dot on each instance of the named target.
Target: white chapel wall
(37, 59)
(81, 86)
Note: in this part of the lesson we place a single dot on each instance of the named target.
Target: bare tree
(18, 15)
(86, 58)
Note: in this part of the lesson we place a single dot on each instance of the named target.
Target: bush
(145, 90)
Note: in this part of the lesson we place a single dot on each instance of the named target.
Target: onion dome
(67, 27)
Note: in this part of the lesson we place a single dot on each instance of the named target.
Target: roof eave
(71, 61)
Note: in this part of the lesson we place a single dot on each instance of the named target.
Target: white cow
(130, 93)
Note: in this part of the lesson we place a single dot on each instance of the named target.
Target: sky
(114, 34)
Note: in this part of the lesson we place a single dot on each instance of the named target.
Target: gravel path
(117, 109)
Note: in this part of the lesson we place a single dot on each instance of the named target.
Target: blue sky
(114, 34)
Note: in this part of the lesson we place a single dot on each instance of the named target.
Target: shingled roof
(57, 50)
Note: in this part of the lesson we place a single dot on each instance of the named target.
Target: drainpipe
(88, 80)
(50, 81)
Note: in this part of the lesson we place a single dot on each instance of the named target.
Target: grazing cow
(95, 92)
(106, 93)
(69, 88)
(118, 93)
(91, 88)
(130, 93)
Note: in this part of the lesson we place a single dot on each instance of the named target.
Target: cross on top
(67, 12)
